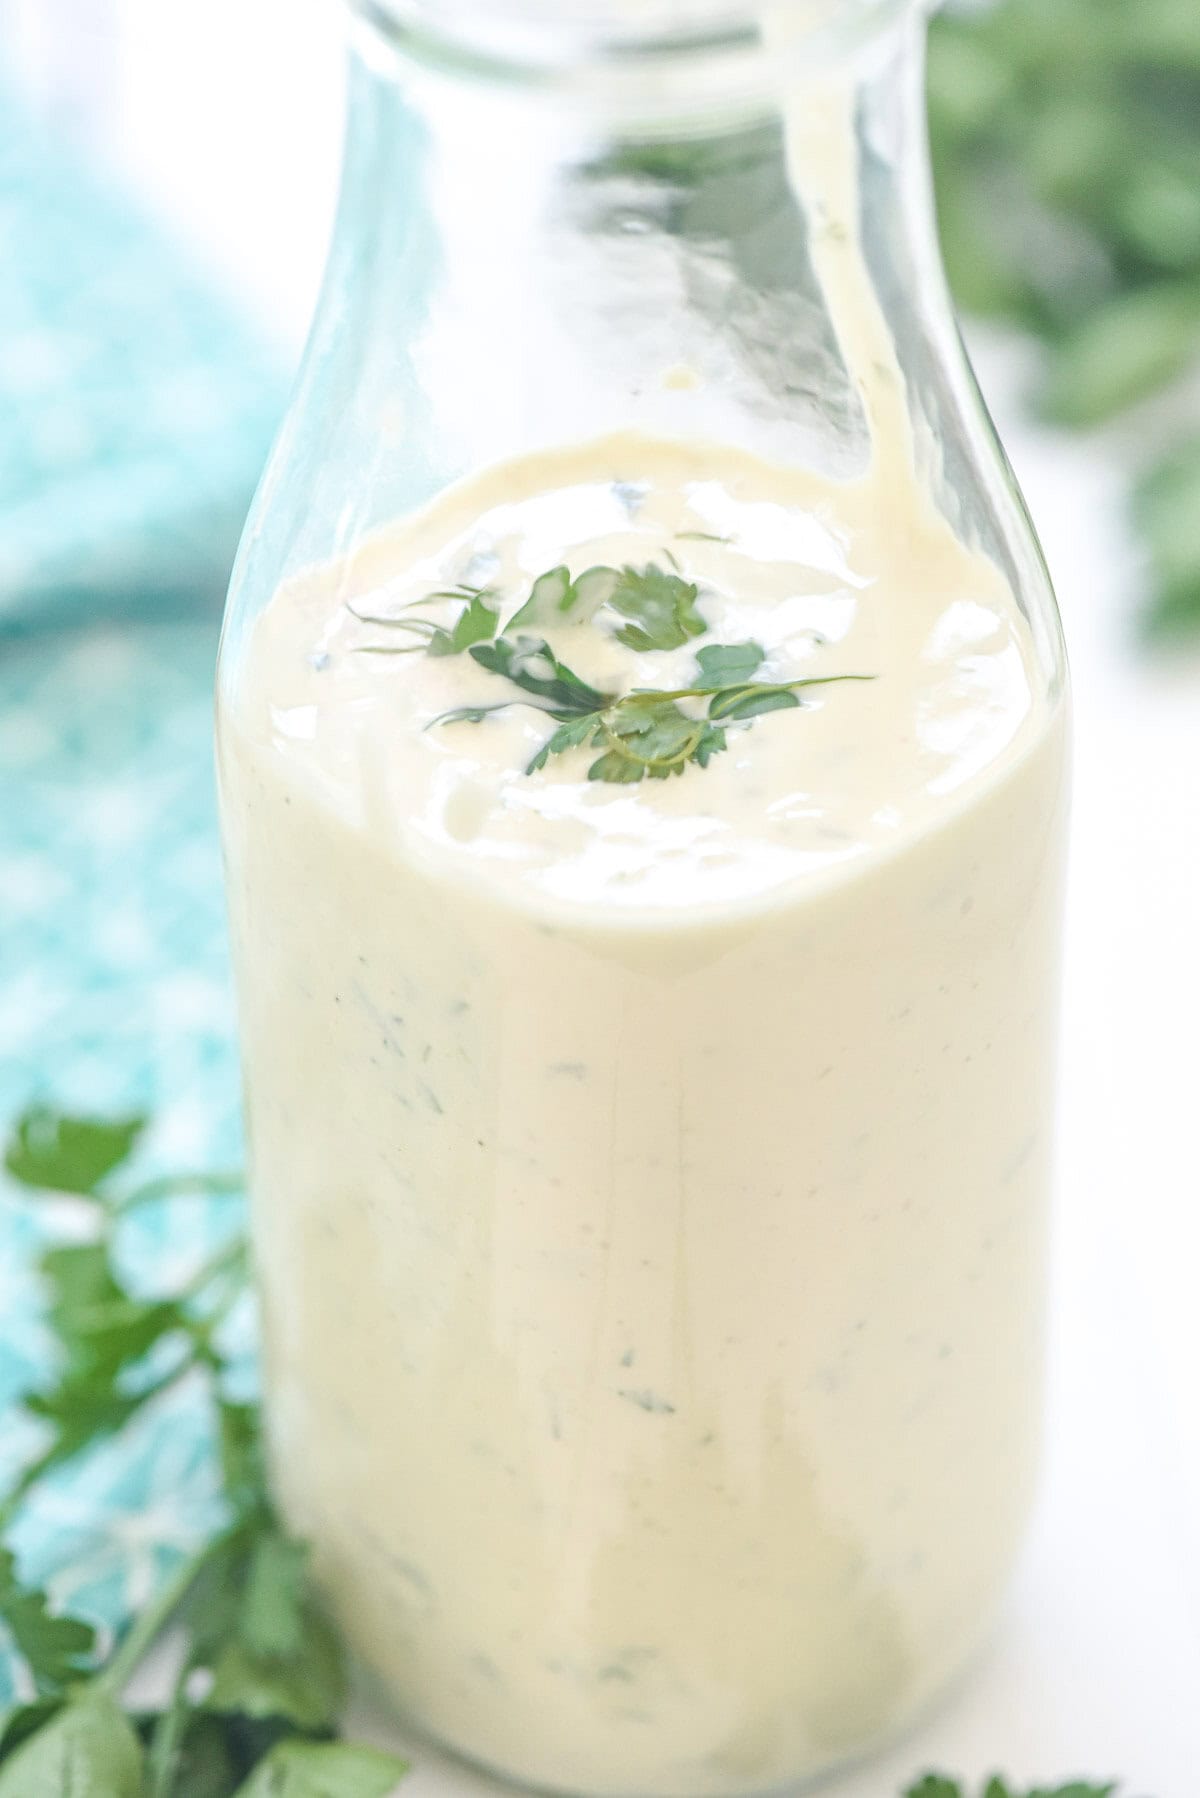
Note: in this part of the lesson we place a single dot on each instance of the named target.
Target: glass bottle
(651, 1270)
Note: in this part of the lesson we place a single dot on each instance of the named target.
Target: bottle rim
(632, 57)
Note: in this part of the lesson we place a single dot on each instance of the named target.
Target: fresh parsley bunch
(1066, 145)
(257, 1681)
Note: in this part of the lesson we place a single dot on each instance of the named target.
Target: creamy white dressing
(649, 1180)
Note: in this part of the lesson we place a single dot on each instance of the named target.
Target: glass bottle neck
(589, 266)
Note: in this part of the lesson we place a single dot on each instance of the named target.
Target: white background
(226, 115)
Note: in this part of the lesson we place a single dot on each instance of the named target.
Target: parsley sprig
(937, 1785)
(259, 1682)
(646, 734)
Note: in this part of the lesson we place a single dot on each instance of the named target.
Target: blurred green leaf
(239, 1436)
(88, 1750)
(56, 1649)
(1166, 507)
(102, 1327)
(1158, 212)
(275, 1655)
(21, 1721)
(1174, 610)
(1124, 352)
(207, 1764)
(56, 1153)
(324, 1770)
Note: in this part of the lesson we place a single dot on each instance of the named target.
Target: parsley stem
(232, 1258)
(178, 1186)
(422, 626)
(389, 649)
(150, 1623)
(25, 1481)
(204, 1332)
(167, 1738)
(811, 680)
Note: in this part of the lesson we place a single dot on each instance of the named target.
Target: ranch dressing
(650, 1179)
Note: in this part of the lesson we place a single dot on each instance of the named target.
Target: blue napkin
(136, 408)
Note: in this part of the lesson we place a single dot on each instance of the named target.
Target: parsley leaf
(272, 1616)
(105, 1334)
(555, 596)
(101, 1327)
(476, 623)
(616, 768)
(644, 736)
(568, 736)
(21, 1720)
(661, 608)
(726, 664)
(239, 1445)
(1076, 1788)
(89, 1749)
(208, 1761)
(81, 1412)
(56, 1648)
(257, 1629)
(55, 1153)
(530, 664)
(306, 1689)
(652, 737)
(550, 596)
(324, 1770)
(751, 701)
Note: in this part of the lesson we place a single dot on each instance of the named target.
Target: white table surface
(227, 117)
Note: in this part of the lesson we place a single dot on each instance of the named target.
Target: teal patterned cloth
(135, 408)
(135, 413)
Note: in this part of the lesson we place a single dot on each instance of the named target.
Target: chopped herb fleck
(646, 1400)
